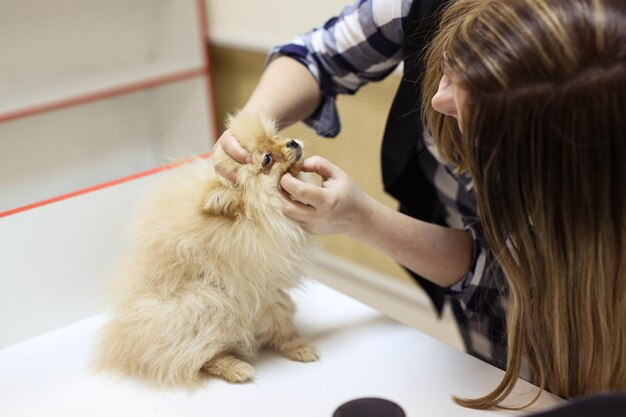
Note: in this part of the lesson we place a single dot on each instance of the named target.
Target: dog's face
(272, 157)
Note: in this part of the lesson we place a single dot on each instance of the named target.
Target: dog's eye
(267, 159)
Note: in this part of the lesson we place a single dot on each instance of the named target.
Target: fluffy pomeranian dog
(210, 261)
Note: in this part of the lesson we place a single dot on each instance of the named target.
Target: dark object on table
(369, 407)
(605, 405)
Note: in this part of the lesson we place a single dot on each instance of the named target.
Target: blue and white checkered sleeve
(484, 273)
(480, 255)
(362, 44)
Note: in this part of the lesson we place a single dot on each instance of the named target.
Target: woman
(538, 88)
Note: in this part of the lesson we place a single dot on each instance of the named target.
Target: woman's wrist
(440, 254)
(365, 213)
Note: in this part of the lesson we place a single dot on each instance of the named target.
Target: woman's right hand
(230, 145)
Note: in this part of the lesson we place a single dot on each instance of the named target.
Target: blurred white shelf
(17, 101)
(94, 90)
(78, 50)
(76, 147)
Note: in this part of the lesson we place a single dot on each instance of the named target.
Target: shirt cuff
(466, 286)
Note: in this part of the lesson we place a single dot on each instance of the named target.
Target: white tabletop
(363, 354)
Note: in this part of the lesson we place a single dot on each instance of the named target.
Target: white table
(363, 354)
(54, 263)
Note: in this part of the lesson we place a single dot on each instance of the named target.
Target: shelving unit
(92, 90)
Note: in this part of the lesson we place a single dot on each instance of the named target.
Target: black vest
(403, 177)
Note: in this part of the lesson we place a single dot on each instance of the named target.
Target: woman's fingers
(306, 193)
(334, 207)
(320, 166)
(295, 210)
(231, 146)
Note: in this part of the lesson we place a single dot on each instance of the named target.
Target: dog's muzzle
(292, 144)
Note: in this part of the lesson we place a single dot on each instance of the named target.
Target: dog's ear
(221, 200)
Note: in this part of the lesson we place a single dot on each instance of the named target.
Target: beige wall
(356, 149)
(258, 25)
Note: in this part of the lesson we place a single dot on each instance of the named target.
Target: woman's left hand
(440, 254)
(338, 205)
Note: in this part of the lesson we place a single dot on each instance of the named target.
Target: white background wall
(259, 24)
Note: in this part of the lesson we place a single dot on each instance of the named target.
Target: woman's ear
(220, 200)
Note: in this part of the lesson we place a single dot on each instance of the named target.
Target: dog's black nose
(293, 144)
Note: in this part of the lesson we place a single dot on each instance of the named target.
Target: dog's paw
(230, 368)
(302, 352)
(239, 372)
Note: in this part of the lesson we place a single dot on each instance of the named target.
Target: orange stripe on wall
(102, 185)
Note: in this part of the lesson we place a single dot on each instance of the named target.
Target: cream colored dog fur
(205, 284)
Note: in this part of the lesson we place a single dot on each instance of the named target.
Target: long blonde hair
(544, 139)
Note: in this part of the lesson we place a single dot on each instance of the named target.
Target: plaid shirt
(364, 43)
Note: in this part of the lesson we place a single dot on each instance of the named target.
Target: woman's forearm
(287, 92)
(440, 254)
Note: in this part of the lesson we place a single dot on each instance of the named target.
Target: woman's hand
(230, 145)
(440, 254)
(337, 206)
